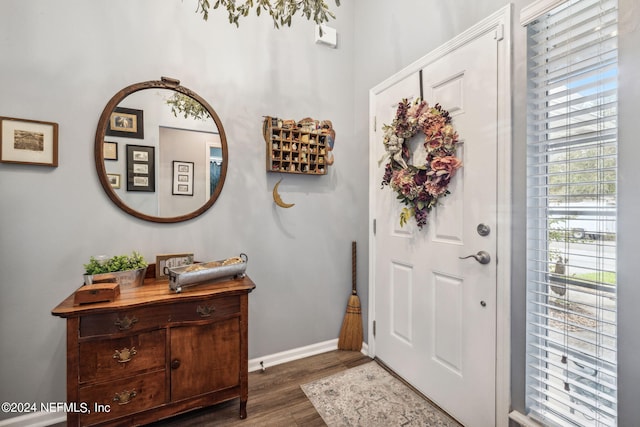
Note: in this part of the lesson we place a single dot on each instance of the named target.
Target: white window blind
(571, 214)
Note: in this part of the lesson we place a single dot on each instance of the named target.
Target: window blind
(571, 214)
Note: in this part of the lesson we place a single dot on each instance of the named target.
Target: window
(571, 213)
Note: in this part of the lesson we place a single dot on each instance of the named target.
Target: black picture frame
(126, 122)
(182, 178)
(141, 175)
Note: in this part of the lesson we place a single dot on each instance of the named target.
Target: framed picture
(29, 142)
(126, 122)
(170, 261)
(114, 179)
(141, 174)
(110, 150)
(182, 178)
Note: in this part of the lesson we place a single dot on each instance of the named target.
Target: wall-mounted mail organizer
(302, 147)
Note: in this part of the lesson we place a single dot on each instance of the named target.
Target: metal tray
(194, 274)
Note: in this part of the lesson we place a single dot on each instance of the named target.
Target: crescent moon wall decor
(277, 199)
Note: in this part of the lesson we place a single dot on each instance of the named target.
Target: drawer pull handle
(175, 363)
(125, 355)
(125, 323)
(206, 310)
(124, 397)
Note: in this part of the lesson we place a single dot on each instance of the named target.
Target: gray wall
(62, 61)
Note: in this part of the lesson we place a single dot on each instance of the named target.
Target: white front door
(435, 313)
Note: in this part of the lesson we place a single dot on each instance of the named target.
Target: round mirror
(161, 151)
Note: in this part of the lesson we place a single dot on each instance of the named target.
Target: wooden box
(100, 292)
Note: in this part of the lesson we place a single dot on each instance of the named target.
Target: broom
(351, 331)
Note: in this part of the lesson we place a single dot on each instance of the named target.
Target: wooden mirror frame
(103, 123)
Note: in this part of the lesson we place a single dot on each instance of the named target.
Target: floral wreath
(420, 186)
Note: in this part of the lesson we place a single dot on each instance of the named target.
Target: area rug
(370, 396)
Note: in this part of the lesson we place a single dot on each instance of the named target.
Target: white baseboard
(43, 419)
(297, 353)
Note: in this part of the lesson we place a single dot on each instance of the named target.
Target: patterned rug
(370, 396)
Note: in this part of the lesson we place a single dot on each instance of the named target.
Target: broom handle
(353, 268)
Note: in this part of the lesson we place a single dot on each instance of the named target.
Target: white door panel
(436, 313)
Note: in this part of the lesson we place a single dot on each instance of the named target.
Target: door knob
(482, 257)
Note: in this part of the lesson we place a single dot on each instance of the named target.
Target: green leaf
(405, 216)
(281, 11)
(115, 263)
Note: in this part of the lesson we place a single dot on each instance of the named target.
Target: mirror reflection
(161, 152)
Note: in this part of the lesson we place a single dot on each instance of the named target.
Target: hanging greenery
(187, 107)
(281, 11)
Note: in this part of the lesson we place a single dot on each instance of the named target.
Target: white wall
(62, 61)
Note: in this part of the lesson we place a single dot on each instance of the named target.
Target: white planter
(126, 279)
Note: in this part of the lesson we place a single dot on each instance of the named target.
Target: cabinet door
(204, 358)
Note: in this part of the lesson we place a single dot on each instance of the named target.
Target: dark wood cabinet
(153, 353)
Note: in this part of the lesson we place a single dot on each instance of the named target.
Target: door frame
(500, 24)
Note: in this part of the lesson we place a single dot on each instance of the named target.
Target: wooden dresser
(153, 353)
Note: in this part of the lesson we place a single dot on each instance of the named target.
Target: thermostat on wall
(329, 35)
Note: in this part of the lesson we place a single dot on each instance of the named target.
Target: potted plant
(126, 270)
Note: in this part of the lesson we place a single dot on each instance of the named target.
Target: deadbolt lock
(483, 229)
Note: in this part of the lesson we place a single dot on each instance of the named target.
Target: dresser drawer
(123, 397)
(210, 309)
(124, 321)
(108, 359)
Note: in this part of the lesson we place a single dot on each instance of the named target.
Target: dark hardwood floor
(275, 396)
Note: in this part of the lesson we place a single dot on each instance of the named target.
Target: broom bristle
(351, 332)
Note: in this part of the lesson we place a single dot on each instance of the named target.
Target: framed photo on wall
(141, 175)
(114, 179)
(182, 178)
(126, 122)
(29, 142)
(110, 150)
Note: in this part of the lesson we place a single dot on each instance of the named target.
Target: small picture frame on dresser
(171, 261)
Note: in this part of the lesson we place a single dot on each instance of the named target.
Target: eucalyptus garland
(420, 186)
(187, 107)
(281, 11)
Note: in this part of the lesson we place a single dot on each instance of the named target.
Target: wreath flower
(420, 186)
